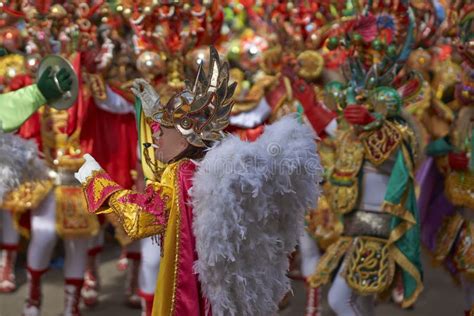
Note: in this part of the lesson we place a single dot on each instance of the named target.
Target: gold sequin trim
(178, 232)
(72, 218)
(323, 224)
(381, 143)
(460, 188)
(368, 266)
(406, 265)
(446, 236)
(344, 187)
(329, 262)
(27, 196)
(463, 256)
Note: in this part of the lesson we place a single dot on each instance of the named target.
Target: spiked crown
(200, 112)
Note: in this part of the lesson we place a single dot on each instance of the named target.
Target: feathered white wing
(19, 162)
(249, 202)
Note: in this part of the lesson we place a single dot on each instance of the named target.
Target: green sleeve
(17, 106)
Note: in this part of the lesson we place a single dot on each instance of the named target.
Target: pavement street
(440, 298)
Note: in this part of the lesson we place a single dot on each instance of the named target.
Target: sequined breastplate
(61, 151)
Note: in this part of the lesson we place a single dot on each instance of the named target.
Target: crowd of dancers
(386, 85)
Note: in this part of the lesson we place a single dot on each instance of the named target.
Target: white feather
(19, 162)
(249, 202)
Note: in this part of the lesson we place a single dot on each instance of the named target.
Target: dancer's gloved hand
(458, 161)
(3, 51)
(90, 165)
(52, 88)
(147, 94)
(357, 115)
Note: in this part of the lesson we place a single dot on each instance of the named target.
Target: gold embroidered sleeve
(140, 214)
(143, 214)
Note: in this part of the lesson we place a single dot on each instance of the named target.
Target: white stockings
(43, 240)
(345, 302)
(149, 266)
(10, 235)
(310, 254)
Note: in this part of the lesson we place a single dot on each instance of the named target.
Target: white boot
(33, 302)
(90, 290)
(72, 297)
(7, 271)
(31, 310)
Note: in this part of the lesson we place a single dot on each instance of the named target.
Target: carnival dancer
(258, 213)
(17, 106)
(63, 141)
(372, 184)
(29, 198)
(446, 181)
(111, 116)
(30, 192)
(159, 58)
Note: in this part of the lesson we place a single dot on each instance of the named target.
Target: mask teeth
(148, 145)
